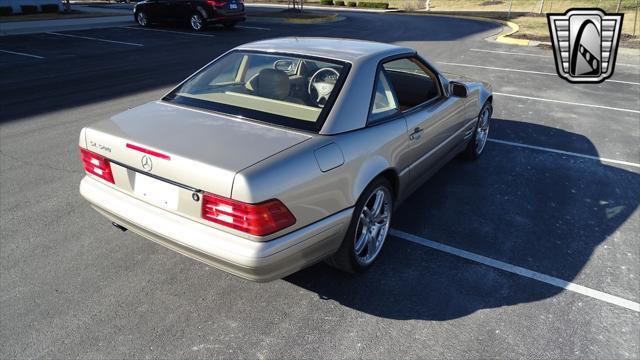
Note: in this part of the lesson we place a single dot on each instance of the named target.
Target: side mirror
(458, 89)
(284, 65)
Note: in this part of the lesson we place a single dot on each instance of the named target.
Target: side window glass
(383, 103)
(414, 83)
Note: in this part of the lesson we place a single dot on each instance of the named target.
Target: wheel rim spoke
(362, 241)
(371, 243)
(377, 205)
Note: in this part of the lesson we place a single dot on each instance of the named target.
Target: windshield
(286, 90)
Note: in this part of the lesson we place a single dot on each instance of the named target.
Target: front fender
(485, 92)
(479, 93)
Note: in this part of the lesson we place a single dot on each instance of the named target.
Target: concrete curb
(505, 39)
(279, 20)
(315, 21)
(501, 38)
(322, 8)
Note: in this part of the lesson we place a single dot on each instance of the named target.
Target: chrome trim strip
(192, 189)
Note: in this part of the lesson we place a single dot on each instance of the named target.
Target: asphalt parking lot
(530, 252)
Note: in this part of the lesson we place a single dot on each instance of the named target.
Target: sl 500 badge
(585, 43)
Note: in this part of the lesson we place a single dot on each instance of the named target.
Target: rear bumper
(252, 260)
(226, 18)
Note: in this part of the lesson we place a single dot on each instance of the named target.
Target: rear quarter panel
(294, 176)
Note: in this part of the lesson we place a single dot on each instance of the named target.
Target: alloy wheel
(196, 22)
(482, 130)
(142, 19)
(373, 226)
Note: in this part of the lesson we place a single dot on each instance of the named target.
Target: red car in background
(198, 13)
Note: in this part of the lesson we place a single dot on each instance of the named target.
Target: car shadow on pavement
(542, 211)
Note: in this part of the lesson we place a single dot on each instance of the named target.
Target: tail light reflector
(96, 164)
(217, 2)
(256, 219)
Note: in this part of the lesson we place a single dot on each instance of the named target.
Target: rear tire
(480, 133)
(197, 23)
(143, 19)
(368, 229)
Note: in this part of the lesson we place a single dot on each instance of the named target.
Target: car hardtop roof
(329, 48)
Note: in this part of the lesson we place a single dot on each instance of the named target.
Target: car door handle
(416, 134)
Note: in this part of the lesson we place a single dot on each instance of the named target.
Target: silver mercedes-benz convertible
(282, 153)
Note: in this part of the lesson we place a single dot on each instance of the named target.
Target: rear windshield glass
(286, 90)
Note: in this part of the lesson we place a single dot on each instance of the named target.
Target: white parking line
(166, 31)
(611, 299)
(23, 54)
(612, 161)
(94, 39)
(509, 53)
(252, 27)
(567, 102)
(497, 68)
(526, 71)
(536, 55)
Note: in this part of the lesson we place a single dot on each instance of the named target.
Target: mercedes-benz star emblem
(147, 164)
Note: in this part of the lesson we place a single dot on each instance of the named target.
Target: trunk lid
(229, 6)
(204, 150)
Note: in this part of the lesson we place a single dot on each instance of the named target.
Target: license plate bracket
(156, 192)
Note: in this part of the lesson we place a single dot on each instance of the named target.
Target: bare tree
(296, 4)
(635, 20)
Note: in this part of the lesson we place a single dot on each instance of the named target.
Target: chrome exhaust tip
(119, 227)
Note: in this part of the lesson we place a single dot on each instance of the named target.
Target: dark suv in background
(198, 13)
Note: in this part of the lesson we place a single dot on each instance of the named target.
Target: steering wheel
(323, 88)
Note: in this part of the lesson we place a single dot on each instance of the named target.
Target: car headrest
(273, 84)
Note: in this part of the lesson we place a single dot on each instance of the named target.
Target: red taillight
(255, 219)
(217, 2)
(96, 164)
